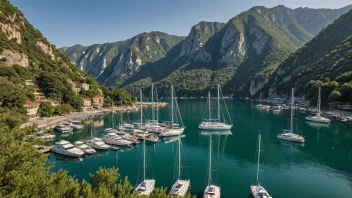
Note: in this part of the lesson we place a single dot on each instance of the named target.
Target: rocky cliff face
(251, 45)
(123, 58)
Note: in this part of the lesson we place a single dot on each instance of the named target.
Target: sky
(86, 22)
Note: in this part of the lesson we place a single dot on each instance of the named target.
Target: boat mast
(259, 140)
(219, 103)
(292, 102)
(121, 113)
(140, 98)
(179, 157)
(172, 107)
(319, 101)
(209, 106)
(112, 114)
(157, 107)
(210, 147)
(153, 116)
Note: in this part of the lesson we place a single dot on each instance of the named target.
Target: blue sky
(69, 22)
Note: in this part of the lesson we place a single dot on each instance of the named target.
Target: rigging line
(226, 106)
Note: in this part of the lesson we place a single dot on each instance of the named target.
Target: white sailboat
(318, 117)
(214, 124)
(288, 135)
(258, 191)
(147, 186)
(173, 130)
(180, 188)
(211, 191)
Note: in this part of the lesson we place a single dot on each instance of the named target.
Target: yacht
(318, 117)
(45, 136)
(215, 123)
(87, 150)
(147, 186)
(288, 135)
(181, 186)
(98, 144)
(66, 148)
(211, 191)
(113, 139)
(63, 129)
(257, 191)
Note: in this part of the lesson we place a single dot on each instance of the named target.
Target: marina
(291, 170)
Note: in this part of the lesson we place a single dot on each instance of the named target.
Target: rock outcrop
(9, 58)
(46, 49)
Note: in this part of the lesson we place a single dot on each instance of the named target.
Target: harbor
(287, 166)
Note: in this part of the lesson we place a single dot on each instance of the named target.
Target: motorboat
(87, 150)
(45, 136)
(113, 139)
(131, 138)
(318, 117)
(63, 129)
(43, 149)
(66, 148)
(98, 144)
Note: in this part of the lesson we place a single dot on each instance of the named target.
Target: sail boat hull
(318, 119)
(172, 132)
(291, 137)
(214, 126)
(257, 191)
(146, 187)
(180, 188)
(212, 192)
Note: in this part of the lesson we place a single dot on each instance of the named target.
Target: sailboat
(258, 191)
(147, 186)
(124, 126)
(318, 117)
(214, 124)
(174, 130)
(180, 188)
(211, 191)
(288, 135)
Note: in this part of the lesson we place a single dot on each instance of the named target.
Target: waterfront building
(32, 109)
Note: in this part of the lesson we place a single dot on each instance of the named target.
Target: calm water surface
(322, 167)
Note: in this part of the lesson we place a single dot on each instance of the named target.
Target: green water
(320, 168)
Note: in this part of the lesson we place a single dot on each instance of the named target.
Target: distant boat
(147, 186)
(318, 117)
(181, 186)
(96, 143)
(258, 191)
(288, 135)
(173, 130)
(211, 191)
(214, 123)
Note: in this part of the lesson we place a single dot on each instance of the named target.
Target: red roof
(30, 103)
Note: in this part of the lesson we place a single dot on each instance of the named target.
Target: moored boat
(66, 148)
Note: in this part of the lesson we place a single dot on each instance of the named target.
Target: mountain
(28, 62)
(120, 59)
(324, 61)
(239, 55)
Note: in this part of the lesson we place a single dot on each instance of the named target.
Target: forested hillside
(325, 61)
(26, 55)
